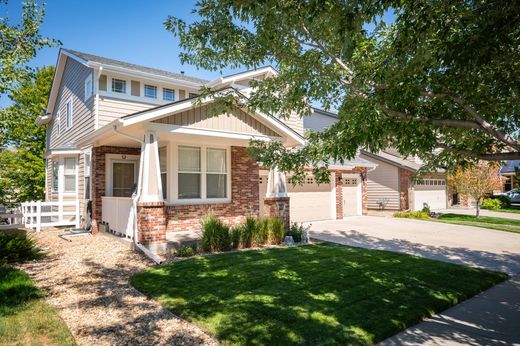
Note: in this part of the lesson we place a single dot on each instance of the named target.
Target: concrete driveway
(473, 246)
(490, 318)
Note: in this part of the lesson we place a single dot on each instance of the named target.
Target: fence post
(77, 213)
(38, 215)
(60, 211)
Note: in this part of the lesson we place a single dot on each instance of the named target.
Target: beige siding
(295, 122)
(111, 108)
(238, 121)
(382, 183)
(72, 87)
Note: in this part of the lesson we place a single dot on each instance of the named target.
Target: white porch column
(152, 187)
(276, 185)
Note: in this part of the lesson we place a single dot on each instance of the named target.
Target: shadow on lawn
(323, 294)
(505, 262)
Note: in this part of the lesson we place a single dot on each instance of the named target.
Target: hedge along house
(131, 140)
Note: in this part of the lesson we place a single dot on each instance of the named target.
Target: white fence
(11, 220)
(118, 213)
(40, 214)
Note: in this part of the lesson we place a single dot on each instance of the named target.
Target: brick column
(404, 188)
(364, 198)
(339, 196)
(152, 222)
(278, 207)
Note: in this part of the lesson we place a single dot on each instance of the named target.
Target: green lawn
(25, 318)
(497, 223)
(507, 210)
(313, 295)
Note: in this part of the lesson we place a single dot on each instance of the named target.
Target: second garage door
(310, 201)
(431, 192)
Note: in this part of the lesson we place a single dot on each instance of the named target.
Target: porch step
(182, 238)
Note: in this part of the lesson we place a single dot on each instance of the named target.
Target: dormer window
(150, 91)
(168, 94)
(119, 85)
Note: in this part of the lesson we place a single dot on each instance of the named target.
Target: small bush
(504, 200)
(250, 231)
(491, 203)
(413, 215)
(215, 235)
(236, 236)
(262, 235)
(426, 209)
(17, 247)
(276, 230)
(187, 250)
(296, 231)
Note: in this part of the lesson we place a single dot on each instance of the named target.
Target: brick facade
(278, 207)
(339, 195)
(152, 221)
(405, 189)
(98, 177)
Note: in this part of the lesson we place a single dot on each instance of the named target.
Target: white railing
(38, 214)
(118, 213)
(11, 220)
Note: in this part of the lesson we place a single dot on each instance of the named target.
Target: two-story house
(132, 141)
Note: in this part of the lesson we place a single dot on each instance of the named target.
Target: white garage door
(351, 195)
(431, 192)
(308, 202)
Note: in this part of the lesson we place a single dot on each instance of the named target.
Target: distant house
(130, 140)
(508, 171)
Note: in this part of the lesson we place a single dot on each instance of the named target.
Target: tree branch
(464, 124)
(487, 157)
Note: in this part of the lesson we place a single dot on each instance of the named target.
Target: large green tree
(19, 43)
(22, 166)
(438, 76)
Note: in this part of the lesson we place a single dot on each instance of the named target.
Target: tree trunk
(478, 207)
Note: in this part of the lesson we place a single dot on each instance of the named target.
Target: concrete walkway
(490, 318)
(483, 212)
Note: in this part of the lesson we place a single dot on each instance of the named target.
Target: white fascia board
(151, 76)
(75, 57)
(207, 132)
(57, 152)
(240, 76)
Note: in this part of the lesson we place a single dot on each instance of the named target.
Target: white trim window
(69, 113)
(89, 87)
(163, 163)
(119, 85)
(150, 91)
(69, 174)
(55, 176)
(168, 94)
(58, 123)
(202, 174)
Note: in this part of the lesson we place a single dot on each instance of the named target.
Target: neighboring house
(508, 171)
(131, 140)
(392, 184)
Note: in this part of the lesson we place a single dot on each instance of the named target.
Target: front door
(123, 178)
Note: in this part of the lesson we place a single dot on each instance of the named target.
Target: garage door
(431, 192)
(351, 195)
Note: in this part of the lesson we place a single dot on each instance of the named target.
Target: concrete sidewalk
(490, 318)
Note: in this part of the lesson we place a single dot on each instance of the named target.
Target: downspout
(141, 247)
(96, 100)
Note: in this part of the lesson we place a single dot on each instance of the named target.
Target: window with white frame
(150, 91)
(163, 166)
(58, 123)
(202, 173)
(119, 85)
(55, 175)
(69, 174)
(69, 111)
(168, 94)
(89, 87)
(87, 159)
(189, 173)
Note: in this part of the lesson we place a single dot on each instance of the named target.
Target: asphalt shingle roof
(140, 68)
(509, 166)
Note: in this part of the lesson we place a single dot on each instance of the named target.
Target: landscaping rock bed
(87, 282)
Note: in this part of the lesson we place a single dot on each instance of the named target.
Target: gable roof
(117, 63)
(393, 160)
(510, 166)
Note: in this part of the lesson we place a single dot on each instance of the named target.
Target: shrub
(262, 235)
(491, 203)
(215, 235)
(276, 230)
(296, 231)
(505, 200)
(426, 209)
(413, 215)
(236, 236)
(17, 247)
(187, 250)
(250, 231)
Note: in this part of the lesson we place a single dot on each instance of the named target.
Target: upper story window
(119, 85)
(150, 91)
(168, 94)
(69, 112)
(58, 123)
(89, 87)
